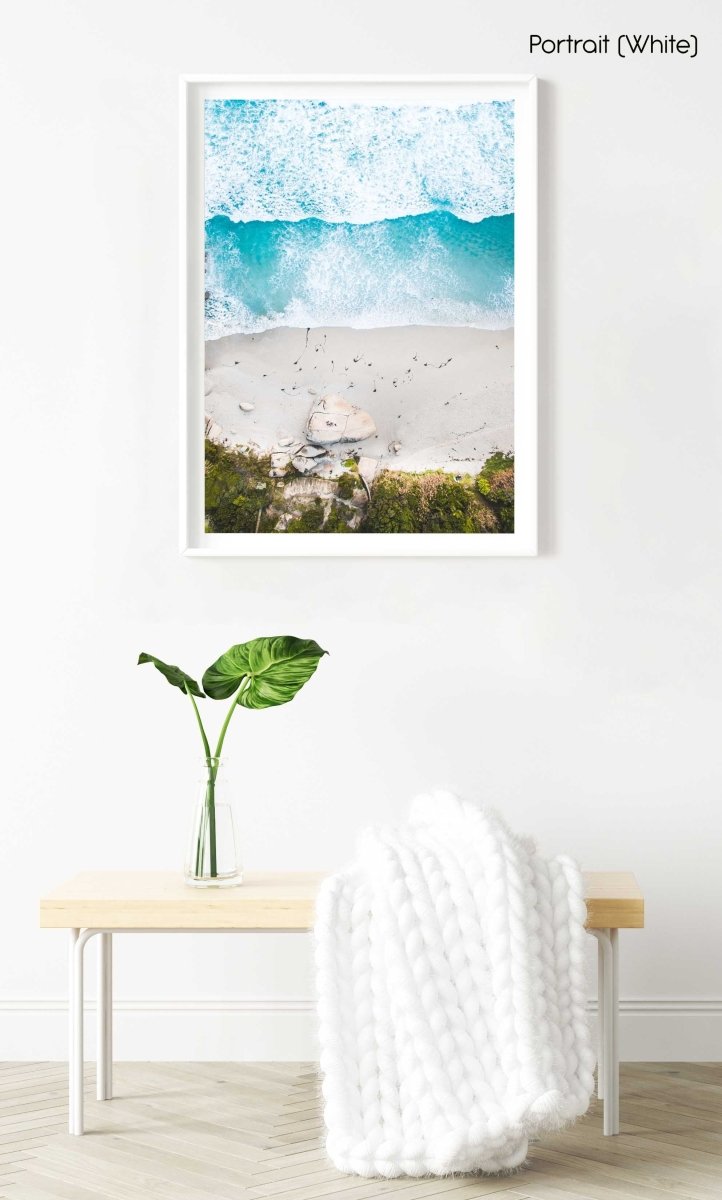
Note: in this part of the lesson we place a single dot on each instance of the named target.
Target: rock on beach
(332, 419)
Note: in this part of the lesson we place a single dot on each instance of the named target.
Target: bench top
(267, 900)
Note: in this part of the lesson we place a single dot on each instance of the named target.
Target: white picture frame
(194, 90)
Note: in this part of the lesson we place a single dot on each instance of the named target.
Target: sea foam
(289, 160)
(431, 269)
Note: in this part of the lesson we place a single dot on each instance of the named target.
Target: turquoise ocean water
(358, 215)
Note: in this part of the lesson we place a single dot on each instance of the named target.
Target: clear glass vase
(213, 858)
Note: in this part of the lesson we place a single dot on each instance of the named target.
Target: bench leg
(600, 1020)
(78, 938)
(104, 1072)
(72, 1081)
(76, 1056)
(614, 939)
(608, 1064)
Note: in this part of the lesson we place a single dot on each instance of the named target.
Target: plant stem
(199, 843)
(212, 765)
(211, 806)
(244, 685)
(210, 803)
(206, 745)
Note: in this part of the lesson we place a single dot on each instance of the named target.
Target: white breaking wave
(286, 160)
(425, 270)
(227, 314)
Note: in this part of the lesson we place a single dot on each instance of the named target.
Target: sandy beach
(443, 396)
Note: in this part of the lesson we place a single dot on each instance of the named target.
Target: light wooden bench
(108, 902)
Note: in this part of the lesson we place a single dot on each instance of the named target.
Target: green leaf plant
(262, 673)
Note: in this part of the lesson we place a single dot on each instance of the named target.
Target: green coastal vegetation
(438, 502)
(238, 489)
(241, 497)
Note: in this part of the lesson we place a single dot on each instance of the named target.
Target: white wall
(579, 691)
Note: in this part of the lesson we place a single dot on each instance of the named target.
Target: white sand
(446, 394)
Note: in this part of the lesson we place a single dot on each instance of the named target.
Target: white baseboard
(669, 1030)
(283, 1029)
(253, 1029)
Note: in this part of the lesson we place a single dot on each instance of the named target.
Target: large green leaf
(174, 675)
(275, 669)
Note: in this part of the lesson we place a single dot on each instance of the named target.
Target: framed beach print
(359, 316)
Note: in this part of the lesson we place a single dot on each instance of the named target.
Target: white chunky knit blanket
(451, 992)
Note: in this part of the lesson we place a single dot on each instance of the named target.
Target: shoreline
(442, 395)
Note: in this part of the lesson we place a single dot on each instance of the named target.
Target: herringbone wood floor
(236, 1131)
